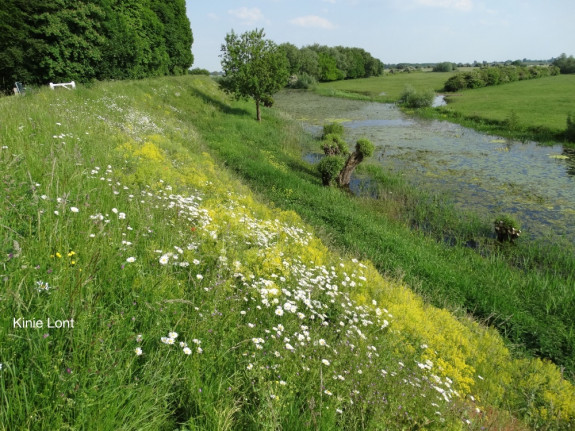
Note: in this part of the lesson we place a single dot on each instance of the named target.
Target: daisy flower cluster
(312, 320)
(171, 340)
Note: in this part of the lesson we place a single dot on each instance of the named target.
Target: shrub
(332, 128)
(507, 228)
(364, 147)
(303, 81)
(411, 98)
(455, 83)
(329, 168)
(198, 71)
(473, 80)
(334, 145)
(446, 66)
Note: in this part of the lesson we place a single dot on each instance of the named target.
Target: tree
(177, 34)
(328, 70)
(253, 67)
(80, 40)
(565, 64)
(68, 40)
(339, 164)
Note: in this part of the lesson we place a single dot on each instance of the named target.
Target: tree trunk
(258, 113)
(344, 176)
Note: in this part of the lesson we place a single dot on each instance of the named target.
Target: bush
(446, 66)
(303, 81)
(364, 147)
(334, 145)
(455, 83)
(507, 228)
(329, 168)
(411, 98)
(332, 128)
(198, 71)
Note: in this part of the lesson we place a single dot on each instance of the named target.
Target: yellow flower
(72, 253)
(58, 255)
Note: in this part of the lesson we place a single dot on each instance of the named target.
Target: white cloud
(312, 21)
(463, 5)
(246, 15)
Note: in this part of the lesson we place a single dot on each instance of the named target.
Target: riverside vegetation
(198, 305)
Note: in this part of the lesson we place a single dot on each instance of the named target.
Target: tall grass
(196, 306)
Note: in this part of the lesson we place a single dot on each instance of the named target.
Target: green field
(386, 88)
(189, 244)
(543, 102)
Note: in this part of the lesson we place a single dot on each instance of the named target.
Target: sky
(394, 31)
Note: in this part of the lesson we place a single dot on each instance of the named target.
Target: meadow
(386, 88)
(159, 216)
(536, 104)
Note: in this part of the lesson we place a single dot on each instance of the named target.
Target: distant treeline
(487, 76)
(325, 63)
(63, 40)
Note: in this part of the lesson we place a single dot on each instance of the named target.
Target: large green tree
(253, 67)
(67, 40)
(62, 40)
(177, 33)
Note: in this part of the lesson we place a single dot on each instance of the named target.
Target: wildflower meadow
(143, 286)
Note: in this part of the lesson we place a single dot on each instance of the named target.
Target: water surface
(483, 173)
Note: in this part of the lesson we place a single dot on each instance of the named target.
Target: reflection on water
(483, 173)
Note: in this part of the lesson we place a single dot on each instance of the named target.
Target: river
(481, 173)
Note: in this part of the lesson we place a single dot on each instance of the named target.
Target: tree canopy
(253, 67)
(331, 63)
(80, 40)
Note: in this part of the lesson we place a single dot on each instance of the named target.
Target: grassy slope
(164, 239)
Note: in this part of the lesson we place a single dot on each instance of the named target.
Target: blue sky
(414, 31)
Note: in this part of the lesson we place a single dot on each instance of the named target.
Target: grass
(197, 306)
(386, 88)
(538, 105)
